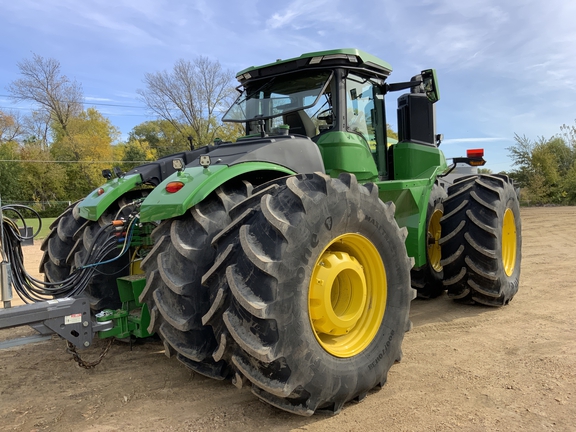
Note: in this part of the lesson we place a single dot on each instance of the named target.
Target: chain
(71, 348)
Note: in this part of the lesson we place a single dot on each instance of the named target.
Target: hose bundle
(30, 289)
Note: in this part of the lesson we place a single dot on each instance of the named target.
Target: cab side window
(360, 107)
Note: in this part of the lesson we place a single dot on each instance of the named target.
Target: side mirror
(430, 83)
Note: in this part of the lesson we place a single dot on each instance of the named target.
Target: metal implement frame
(68, 317)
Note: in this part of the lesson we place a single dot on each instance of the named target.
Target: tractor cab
(336, 98)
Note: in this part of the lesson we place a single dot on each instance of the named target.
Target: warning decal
(73, 319)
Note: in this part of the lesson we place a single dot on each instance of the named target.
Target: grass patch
(44, 231)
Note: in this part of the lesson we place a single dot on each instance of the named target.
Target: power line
(96, 103)
(36, 202)
(52, 161)
(102, 104)
(109, 114)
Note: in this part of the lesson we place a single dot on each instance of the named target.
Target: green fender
(198, 183)
(100, 199)
(411, 197)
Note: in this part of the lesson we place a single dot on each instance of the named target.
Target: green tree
(545, 168)
(570, 185)
(87, 145)
(10, 130)
(390, 132)
(10, 183)
(161, 136)
(230, 131)
(41, 182)
(133, 153)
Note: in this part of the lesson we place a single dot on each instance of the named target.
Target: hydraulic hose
(30, 289)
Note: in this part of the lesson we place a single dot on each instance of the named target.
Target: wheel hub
(509, 242)
(347, 295)
(434, 234)
(338, 293)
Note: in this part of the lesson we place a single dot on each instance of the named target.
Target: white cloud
(282, 19)
(312, 14)
(97, 99)
(471, 140)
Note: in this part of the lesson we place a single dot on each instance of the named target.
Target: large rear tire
(427, 280)
(481, 240)
(310, 293)
(182, 253)
(57, 245)
(66, 246)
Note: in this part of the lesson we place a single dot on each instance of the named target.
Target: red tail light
(475, 153)
(174, 186)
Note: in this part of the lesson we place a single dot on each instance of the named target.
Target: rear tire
(55, 263)
(182, 253)
(427, 280)
(310, 293)
(481, 240)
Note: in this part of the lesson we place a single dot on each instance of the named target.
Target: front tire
(310, 293)
(481, 240)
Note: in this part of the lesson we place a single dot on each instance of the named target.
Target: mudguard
(153, 173)
(276, 156)
(99, 200)
(198, 183)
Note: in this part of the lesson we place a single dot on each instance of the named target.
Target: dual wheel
(306, 296)
(481, 240)
(474, 242)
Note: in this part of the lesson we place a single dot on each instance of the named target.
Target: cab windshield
(274, 97)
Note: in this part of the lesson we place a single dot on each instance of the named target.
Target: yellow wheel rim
(135, 268)
(347, 295)
(509, 242)
(434, 232)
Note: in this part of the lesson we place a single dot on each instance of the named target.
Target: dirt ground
(464, 368)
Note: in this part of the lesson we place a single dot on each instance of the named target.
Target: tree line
(545, 169)
(56, 154)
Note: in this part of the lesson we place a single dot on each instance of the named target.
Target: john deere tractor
(287, 261)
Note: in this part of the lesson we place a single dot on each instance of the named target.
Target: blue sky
(504, 67)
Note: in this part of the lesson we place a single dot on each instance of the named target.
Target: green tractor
(288, 260)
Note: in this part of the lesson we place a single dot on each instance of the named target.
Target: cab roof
(345, 57)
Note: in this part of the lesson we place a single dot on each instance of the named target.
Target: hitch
(133, 317)
(68, 317)
(72, 319)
